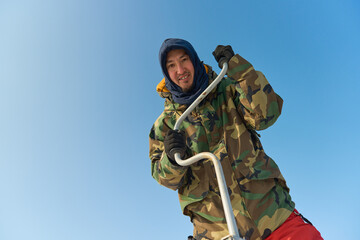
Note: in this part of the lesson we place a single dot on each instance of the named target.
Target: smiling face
(180, 69)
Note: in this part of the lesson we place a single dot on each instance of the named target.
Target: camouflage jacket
(225, 123)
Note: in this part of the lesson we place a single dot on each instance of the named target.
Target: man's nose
(180, 69)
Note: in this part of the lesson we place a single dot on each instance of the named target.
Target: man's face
(180, 69)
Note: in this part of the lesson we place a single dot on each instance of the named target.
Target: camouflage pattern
(225, 123)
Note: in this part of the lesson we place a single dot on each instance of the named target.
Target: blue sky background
(77, 101)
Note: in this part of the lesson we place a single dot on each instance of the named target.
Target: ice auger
(229, 215)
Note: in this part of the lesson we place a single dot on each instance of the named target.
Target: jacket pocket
(196, 186)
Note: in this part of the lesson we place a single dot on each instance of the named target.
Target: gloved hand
(223, 54)
(174, 142)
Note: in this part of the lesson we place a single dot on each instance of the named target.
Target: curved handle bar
(202, 96)
(229, 215)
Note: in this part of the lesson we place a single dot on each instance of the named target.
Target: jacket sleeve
(162, 170)
(257, 101)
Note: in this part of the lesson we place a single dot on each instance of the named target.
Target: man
(225, 123)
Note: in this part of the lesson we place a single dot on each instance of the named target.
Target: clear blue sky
(77, 101)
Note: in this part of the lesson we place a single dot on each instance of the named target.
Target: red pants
(294, 228)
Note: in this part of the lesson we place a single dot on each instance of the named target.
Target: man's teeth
(184, 77)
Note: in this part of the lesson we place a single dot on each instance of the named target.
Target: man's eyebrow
(182, 56)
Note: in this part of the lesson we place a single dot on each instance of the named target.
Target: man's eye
(170, 66)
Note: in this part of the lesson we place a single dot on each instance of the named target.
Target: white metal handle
(229, 215)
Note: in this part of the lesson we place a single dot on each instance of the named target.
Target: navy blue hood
(201, 80)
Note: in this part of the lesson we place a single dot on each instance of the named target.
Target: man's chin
(186, 90)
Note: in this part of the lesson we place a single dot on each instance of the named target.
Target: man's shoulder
(167, 117)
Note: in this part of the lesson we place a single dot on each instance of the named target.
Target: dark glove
(174, 142)
(223, 54)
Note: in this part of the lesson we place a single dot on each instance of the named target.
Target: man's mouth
(186, 76)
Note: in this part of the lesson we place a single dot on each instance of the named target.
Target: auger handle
(229, 215)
